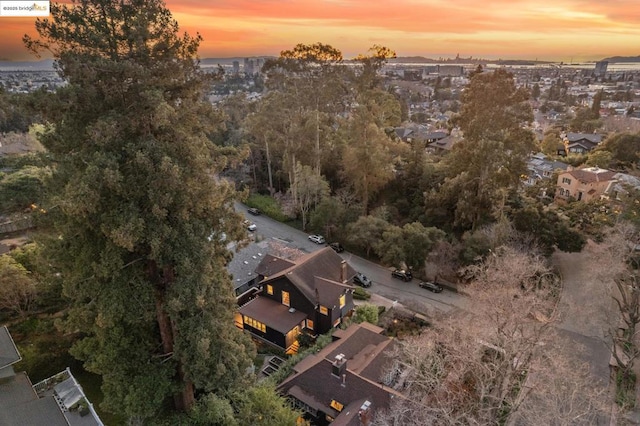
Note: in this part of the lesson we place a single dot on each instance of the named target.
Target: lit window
(324, 310)
(310, 324)
(285, 298)
(336, 405)
(269, 289)
(343, 301)
(255, 324)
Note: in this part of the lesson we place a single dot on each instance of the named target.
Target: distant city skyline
(559, 30)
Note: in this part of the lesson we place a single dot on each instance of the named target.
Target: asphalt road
(405, 293)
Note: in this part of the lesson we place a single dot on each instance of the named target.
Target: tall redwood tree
(137, 210)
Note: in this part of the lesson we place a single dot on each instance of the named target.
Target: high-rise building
(236, 67)
(601, 68)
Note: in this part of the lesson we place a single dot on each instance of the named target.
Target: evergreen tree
(488, 163)
(137, 208)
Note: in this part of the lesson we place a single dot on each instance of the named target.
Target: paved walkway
(587, 312)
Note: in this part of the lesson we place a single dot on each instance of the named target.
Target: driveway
(586, 311)
(586, 306)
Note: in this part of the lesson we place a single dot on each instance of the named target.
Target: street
(405, 293)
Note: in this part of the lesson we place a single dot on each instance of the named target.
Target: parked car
(436, 288)
(362, 280)
(318, 239)
(252, 227)
(337, 247)
(254, 211)
(402, 274)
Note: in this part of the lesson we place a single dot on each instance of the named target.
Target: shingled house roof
(367, 353)
(272, 265)
(591, 137)
(317, 387)
(315, 271)
(445, 143)
(276, 315)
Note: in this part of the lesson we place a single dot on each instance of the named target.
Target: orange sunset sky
(560, 30)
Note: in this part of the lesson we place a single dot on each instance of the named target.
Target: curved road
(405, 293)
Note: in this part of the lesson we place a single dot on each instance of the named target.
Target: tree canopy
(488, 163)
(134, 199)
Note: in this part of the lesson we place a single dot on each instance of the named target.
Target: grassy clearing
(267, 205)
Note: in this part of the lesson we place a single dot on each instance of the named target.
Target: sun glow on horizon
(523, 29)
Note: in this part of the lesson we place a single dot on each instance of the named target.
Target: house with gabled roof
(56, 401)
(343, 383)
(540, 167)
(443, 145)
(404, 134)
(581, 143)
(583, 184)
(243, 266)
(435, 136)
(310, 295)
(622, 184)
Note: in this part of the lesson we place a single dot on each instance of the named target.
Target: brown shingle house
(309, 295)
(342, 384)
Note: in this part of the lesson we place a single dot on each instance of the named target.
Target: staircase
(293, 349)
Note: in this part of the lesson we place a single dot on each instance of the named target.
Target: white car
(318, 239)
(252, 227)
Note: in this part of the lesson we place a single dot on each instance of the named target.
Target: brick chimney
(339, 367)
(343, 271)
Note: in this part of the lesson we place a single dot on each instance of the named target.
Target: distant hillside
(619, 59)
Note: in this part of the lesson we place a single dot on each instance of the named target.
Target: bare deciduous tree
(617, 261)
(495, 365)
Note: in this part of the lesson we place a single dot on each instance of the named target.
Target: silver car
(318, 239)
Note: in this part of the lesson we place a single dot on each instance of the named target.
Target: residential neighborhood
(318, 234)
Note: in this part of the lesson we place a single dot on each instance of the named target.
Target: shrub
(361, 294)
(625, 389)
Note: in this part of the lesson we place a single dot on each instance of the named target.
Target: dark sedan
(402, 274)
(436, 288)
(337, 247)
(362, 280)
